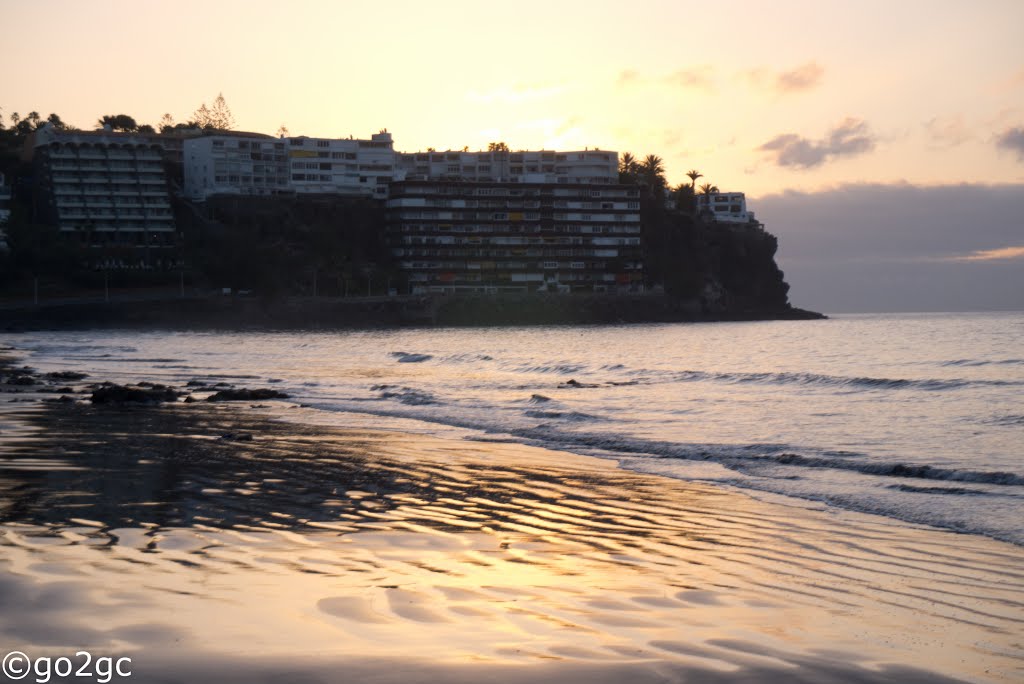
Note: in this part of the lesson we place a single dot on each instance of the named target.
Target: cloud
(948, 131)
(850, 138)
(1000, 254)
(900, 247)
(1012, 139)
(698, 77)
(804, 77)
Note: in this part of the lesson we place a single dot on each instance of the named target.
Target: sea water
(919, 418)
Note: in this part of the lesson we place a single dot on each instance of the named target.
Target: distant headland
(130, 224)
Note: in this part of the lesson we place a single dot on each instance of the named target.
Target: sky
(795, 103)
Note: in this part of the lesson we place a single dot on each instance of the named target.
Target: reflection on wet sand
(171, 534)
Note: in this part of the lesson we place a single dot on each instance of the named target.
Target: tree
(221, 113)
(628, 168)
(217, 117)
(282, 132)
(708, 189)
(166, 124)
(146, 128)
(652, 172)
(683, 197)
(55, 121)
(497, 147)
(118, 122)
(693, 175)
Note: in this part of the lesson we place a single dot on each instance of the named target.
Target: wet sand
(222, 543)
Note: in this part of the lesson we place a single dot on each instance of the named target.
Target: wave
(572, 416)
(927, 384)
(405, 395)
(916, 471)
(752, 457)
(1009, 419)
(984, 362)
(958, 491)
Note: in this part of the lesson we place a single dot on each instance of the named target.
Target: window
(322, 143)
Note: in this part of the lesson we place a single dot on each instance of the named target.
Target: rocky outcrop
(721, 269)
(245, 394)
(123, 394)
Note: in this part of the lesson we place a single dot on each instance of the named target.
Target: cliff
(718, 268)
(323, 262)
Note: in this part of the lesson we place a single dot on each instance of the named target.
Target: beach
(247, 542)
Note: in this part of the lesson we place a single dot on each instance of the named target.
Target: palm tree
(652, 169)
(693, 175)
(708, 189)
(627, 164)
(628, 168)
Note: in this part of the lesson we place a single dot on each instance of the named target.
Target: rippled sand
(289, 552)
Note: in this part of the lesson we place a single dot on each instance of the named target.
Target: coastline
(246, 312)
(235, 538)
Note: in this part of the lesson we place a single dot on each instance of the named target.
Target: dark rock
(67, 375)
(190, 399)
(575, 384)
(195, 383)
(237, 437)
(22, 380)
(118, 394)
(245, 394)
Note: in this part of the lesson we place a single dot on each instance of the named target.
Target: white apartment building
(342, 166)
(105, 189)
(725, 207)
(236, 164)
(255, 164)
(543, 166)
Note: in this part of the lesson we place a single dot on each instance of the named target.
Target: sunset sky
(760, 97)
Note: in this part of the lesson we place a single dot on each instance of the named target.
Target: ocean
(915, 417)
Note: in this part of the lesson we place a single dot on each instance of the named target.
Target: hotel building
(724, 207)
(545, 166)
(104, 189)
(493, 236)
(228, 163)
(254, 164)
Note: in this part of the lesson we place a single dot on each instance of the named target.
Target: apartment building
(724, 207)
(543, 166)
(104, 189)
(235, 163)
(253, 164)
(342, 166)
(502, 236)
